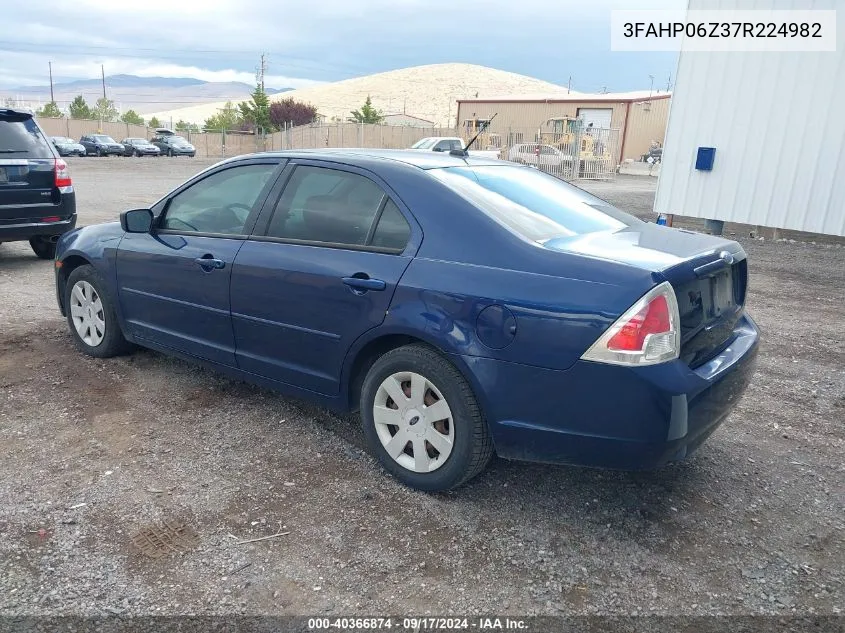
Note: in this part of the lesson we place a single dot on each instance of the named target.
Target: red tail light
(652, 319)
(648, 333)
(62, 174)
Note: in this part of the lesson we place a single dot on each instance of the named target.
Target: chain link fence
(571, 154)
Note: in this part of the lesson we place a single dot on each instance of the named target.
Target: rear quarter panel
(560, 302)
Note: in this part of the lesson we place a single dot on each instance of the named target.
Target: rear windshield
(21, 138)
(533, 204)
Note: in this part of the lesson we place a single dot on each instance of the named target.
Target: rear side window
(326, 205)
(392, 230)
(20, 137)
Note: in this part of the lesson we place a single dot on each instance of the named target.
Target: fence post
(67, 125)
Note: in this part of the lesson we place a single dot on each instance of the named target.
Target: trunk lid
(709, 275)
(27, 169)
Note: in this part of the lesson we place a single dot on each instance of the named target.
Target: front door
(322, 273)
(173, 283)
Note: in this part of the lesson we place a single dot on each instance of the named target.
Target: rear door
(27, 170)
(320, 270)
(173, 283)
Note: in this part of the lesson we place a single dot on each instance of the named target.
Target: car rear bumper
(24, 231)
(610, 416)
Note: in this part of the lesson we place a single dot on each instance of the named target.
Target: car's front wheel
(43, 247)
(91, 315)
(422, 421)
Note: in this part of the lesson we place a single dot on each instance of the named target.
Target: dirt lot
(95, 451)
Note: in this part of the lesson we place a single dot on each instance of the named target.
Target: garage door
(599, 117)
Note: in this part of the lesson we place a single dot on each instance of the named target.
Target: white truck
(448, 143)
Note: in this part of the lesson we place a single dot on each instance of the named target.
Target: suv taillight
(648, 333)
(62, 174)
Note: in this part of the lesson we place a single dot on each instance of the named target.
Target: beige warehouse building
(636, 118)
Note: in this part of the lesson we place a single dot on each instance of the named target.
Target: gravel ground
(97, 451)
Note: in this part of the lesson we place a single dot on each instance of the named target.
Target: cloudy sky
(322, 40)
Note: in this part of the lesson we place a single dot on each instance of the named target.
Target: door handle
(209, 262)
(362, 284)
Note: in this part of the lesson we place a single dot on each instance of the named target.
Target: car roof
(16, 112)
(414, 158)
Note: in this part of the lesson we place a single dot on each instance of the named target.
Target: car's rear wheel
(91, 315)
(43, 246)
(422, 421)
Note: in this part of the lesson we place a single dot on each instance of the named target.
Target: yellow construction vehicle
(564, 132)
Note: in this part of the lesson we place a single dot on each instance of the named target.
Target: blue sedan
(464, 306)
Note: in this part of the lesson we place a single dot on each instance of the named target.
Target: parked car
(37, 201)
(173, 145)
(448, 143)
(460, 304)
(539, 155)
(139, 147)
(67, 146)
(101, 145)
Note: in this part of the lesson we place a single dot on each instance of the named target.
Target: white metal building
(777, 123)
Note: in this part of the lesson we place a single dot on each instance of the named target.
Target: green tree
(105, 110)
(184, 126)
(79, 109)
(228, 118)
(132, 117)
(49, 111)
(154, 122)
(256, 112)
(367, 113)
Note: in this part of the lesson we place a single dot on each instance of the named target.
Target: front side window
(327, 205)
(533, 204)
(423, 143)
(219, 203)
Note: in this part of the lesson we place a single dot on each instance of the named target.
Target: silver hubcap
(414, 422)
(86, 310)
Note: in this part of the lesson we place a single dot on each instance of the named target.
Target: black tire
(99, 152)
(170, 153)
(137, 154)
(43, 247)
(113, 342)
(473, 446)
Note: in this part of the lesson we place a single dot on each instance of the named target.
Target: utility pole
(651, 88)
(569, 84)
(262, 69)
(103, 74)
(669, 82)
(50, 66)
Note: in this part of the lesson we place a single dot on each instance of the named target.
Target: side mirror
(136, 221)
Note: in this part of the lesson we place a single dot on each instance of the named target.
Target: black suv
(101, 145)
(37, 202)
(173, 145)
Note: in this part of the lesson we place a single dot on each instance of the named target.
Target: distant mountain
(142, 94)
